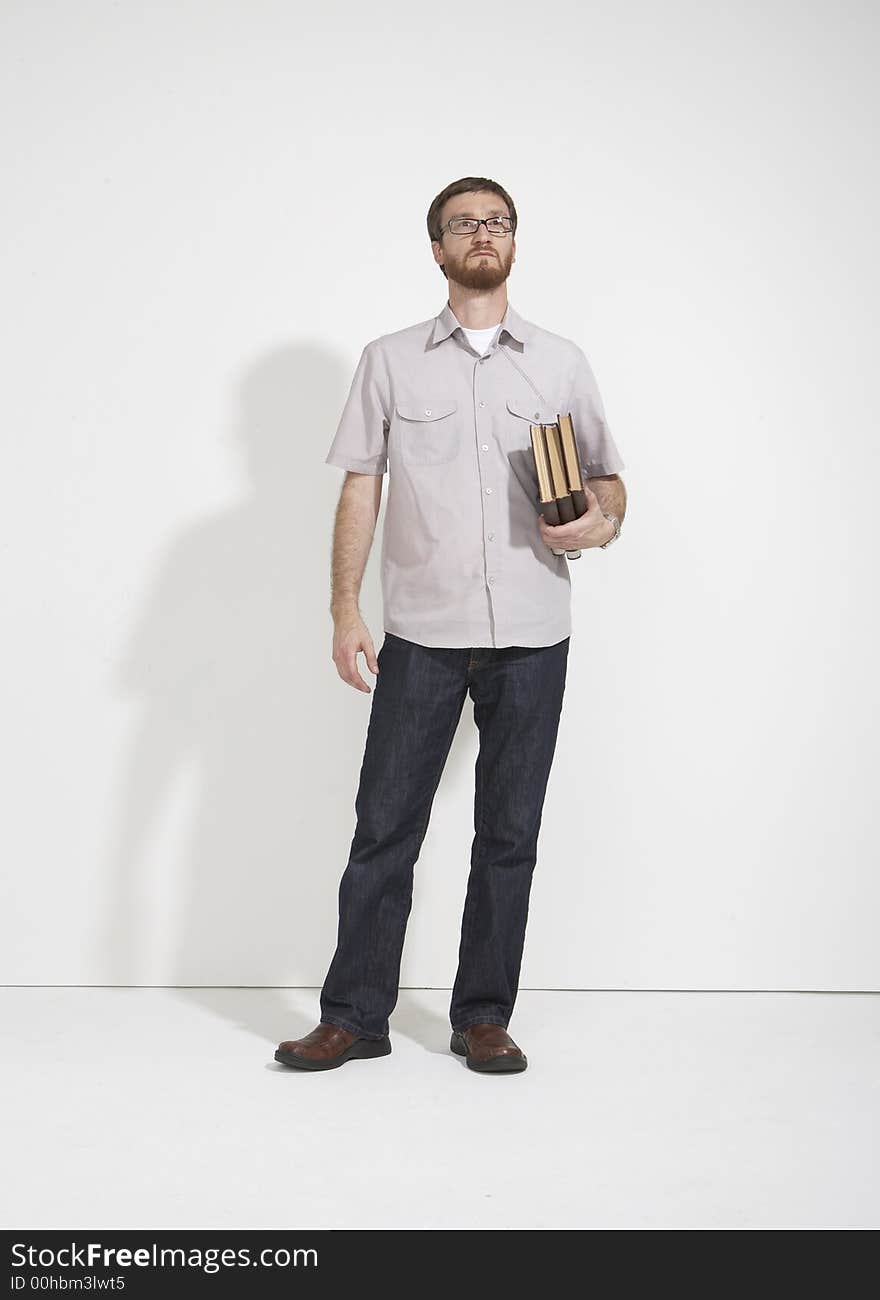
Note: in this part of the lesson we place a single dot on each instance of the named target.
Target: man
(476, 597)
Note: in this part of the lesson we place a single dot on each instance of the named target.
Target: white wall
(193, 256)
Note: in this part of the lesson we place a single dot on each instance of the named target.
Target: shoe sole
(361, 1049)
(494, 1065)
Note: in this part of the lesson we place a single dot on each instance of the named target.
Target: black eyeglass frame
(481, 221)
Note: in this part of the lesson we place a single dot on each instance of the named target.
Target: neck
(478, 309)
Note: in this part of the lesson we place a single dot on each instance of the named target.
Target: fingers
(347, 666)
(351, 674)
(554, 536)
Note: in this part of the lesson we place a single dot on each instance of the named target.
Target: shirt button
(485, 446)
(488, 490)
(537, 414)
(491, 537)
(428, 413)
(491, 579)
(482, 403)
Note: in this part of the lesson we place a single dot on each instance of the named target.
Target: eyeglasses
(468, 225)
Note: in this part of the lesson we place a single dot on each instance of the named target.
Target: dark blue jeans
(417, 702)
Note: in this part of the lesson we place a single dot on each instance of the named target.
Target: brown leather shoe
(489, 1048)
(328, 1046)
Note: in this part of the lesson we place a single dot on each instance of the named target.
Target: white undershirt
(481, 339)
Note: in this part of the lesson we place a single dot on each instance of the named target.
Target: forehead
(482, 204)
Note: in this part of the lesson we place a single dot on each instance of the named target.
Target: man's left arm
(606, 494)
(600, 461)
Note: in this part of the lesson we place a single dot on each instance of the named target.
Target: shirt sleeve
(598, 450)
(361, 439)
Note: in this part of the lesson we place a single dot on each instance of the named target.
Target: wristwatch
(616, 522)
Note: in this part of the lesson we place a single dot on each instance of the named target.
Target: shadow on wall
(246, 746)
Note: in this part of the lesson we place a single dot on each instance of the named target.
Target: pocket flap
(529, 409)
(425, 409)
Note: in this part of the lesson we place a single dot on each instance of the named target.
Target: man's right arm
(353, 532)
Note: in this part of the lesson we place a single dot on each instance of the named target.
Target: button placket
(488, 494)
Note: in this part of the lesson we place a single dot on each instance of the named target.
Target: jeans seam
(452, 730)
(478, 857)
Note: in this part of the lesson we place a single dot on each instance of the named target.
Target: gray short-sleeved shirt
(463, 563)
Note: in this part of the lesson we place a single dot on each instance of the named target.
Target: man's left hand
(591, 529)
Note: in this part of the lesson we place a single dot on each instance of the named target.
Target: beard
(475, 272)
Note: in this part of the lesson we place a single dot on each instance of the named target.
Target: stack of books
(561, 492)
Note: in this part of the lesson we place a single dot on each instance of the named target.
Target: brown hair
(467, 185)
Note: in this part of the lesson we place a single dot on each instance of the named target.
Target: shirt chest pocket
(521, 414)
(518, 415)
(428, 431)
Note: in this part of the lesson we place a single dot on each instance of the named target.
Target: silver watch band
(616, 522)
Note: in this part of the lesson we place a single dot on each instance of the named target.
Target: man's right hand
(350, 637)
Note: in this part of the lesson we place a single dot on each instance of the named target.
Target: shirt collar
(446, 322)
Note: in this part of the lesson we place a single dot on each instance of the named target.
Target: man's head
(480, 258)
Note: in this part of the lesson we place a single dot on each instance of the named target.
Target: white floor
(164, 1108)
